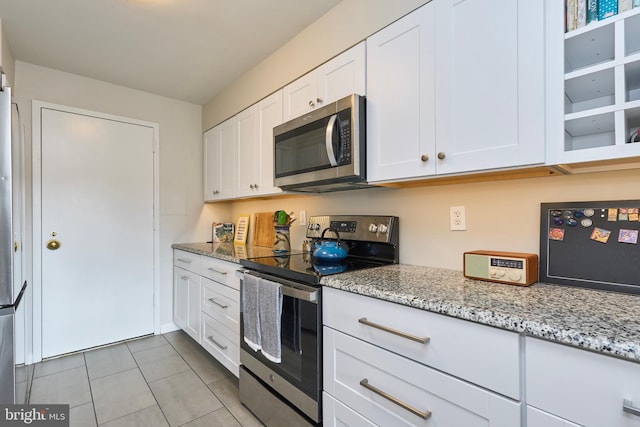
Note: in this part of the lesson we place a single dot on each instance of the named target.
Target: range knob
(373, 228)
(383, 228)
(316, 227)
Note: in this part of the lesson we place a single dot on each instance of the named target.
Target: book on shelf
(607, 9)
(624, 5)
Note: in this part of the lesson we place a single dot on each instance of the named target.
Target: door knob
(53, 245)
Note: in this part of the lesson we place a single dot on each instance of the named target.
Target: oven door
(301, 339)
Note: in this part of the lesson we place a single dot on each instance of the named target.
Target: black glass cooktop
(303, 267)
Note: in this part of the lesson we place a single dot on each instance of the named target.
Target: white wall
(347, 24)
(183, 217)
(501, 215)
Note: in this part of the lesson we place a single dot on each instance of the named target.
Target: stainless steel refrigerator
(8, 301)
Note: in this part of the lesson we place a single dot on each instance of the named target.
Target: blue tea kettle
(330, 250)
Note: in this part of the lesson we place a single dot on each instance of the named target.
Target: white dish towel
(270, 302)
(250, 311)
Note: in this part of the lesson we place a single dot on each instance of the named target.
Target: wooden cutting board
(263, 231)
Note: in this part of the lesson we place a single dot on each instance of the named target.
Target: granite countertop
(225, 251)
(605, 322)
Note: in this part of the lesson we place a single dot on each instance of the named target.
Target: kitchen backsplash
(500, 215)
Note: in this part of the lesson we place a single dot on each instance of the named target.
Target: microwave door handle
(329, 140)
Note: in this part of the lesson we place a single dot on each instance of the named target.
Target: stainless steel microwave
(323, 150)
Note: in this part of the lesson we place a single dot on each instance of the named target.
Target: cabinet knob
(251, 186)
(311, 104)
(424, 157)
(255, 186)
(441, 155)
(319, 100)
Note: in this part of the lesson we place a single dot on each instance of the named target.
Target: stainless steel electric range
(289, 391)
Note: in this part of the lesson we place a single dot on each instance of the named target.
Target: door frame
(36, 120)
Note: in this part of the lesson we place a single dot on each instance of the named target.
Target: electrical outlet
(458, 218)
(303, 217)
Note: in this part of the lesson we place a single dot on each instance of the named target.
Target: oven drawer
(580, 386)
(222, 343)
(187, 260)
(221, 303)
(480, 354)
(357, 374)
(221, 271)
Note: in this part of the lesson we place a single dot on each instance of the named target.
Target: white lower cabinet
(538, 418)
(580, 387)
(335, 414)
(206, 305)
(394, 365)
(186, 311)
(389, 389)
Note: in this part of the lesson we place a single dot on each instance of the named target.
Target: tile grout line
(93, 403)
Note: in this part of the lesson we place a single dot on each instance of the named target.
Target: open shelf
(632, 121)
(590, 91)
(632, 81)
(632, 34)
(589, 48)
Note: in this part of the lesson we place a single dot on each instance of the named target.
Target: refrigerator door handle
(19, 298)
(15, 305)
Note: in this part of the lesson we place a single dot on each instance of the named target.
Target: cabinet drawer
(352, 365)
(187, 260)
(335, 414)
(480, 354)
(580, 386)
(538, 418)
(222, 303)
(222, 343)
(220, 271)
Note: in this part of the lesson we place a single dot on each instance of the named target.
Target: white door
(97, 201)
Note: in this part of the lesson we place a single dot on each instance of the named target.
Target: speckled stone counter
(604, 322)
(225, 251)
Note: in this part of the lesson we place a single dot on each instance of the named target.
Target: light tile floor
(163, 380)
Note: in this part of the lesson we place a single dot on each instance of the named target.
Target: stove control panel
(369, 228)
(513, 268)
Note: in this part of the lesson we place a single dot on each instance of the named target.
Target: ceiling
(182, 49)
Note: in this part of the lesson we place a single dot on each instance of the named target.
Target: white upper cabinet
(337, 78)
(456, 87)
(401, 98)
(248, 152)
(219, 164)
(594, 88)
(269, 112)
(254, 133)
(490, 103)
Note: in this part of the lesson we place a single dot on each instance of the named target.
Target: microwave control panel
(512, 268)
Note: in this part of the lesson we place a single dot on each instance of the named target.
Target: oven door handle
(290, 288)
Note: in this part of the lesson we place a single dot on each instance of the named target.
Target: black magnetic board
(591, 245)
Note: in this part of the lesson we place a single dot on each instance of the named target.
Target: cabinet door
(300, 96)
(269, 116)
(180, 292)
(211, 159)
(490, 84)
(227, 161)
(248, 152)
(193, 305)
(538, 418)
(342, 76)
(400, 98)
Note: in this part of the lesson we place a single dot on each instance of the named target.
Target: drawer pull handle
(224, 273)
(365, 383)
(184, 277)
(627, 406)
(219, 304)
(422, 340)
(185, 260)
(217, 344)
